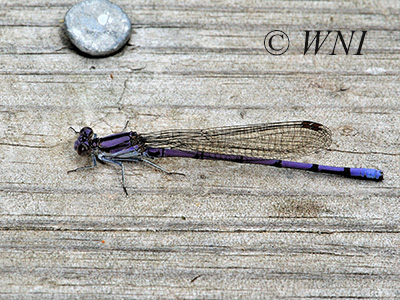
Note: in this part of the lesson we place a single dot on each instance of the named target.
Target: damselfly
(253, 144)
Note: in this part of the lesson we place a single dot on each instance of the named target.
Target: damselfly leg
(161, 168)
(87, 167)
(102, 158)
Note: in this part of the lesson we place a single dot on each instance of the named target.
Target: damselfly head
(83, 143)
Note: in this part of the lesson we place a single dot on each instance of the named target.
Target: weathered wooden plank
(224, 230)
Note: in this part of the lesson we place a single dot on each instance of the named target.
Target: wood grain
(224, 230)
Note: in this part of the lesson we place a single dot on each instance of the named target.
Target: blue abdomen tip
(374, 174)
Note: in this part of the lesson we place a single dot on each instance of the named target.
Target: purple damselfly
(253, 144)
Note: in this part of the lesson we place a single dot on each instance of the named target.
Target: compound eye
(83, 149)
(87, 132)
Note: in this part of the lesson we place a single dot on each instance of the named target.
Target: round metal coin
(97, 27)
